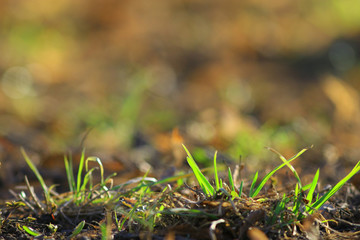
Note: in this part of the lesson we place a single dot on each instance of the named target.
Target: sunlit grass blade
(231, 181)
(217, 184)
(194, 167)
(297, 200)
(267, 177)
(287, 162)
(98, 161)
(88, 175)
(31, 231)
(306, 187)
(241, 187)
(203, 182)
(81, 166)
(317, 204)
(310, 194)
(78, 229)
(251, 193)
(86, 180)
(232, 185)
(38, 176)
(69, 173)
(178, 177)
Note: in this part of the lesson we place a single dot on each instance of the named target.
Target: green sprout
(203, 182)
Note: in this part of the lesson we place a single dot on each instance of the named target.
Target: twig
(32, 193)
(177, 195)
(347, 222)
(27, 204)
(213, 228)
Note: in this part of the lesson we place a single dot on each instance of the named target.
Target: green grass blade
(178, 177)
(231, 181)
(69, 173)
(31, 231)
(241, 188)
(263, 181)
(98, 161)
(253, 184)
(232, 185)
(199, 177)
(217, 184)
(306, 187)
(86, 180)
(317, 204)
(285, 162)
(78, 229)
(38, 176)
(310, 194)
(297, 202)
(81, 166)
(203, 182)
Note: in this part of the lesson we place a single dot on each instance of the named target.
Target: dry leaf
(256, 234)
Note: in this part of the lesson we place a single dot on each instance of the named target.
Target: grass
(152, 206)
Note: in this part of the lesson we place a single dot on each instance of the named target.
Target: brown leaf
(256, 234)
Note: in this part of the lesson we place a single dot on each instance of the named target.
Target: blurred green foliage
(235, 75)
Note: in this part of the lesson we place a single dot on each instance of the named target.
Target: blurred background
(131, 80)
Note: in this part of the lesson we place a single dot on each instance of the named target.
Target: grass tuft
(138, 204)
(49, 200)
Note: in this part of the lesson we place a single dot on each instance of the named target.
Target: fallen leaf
(256, 234)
